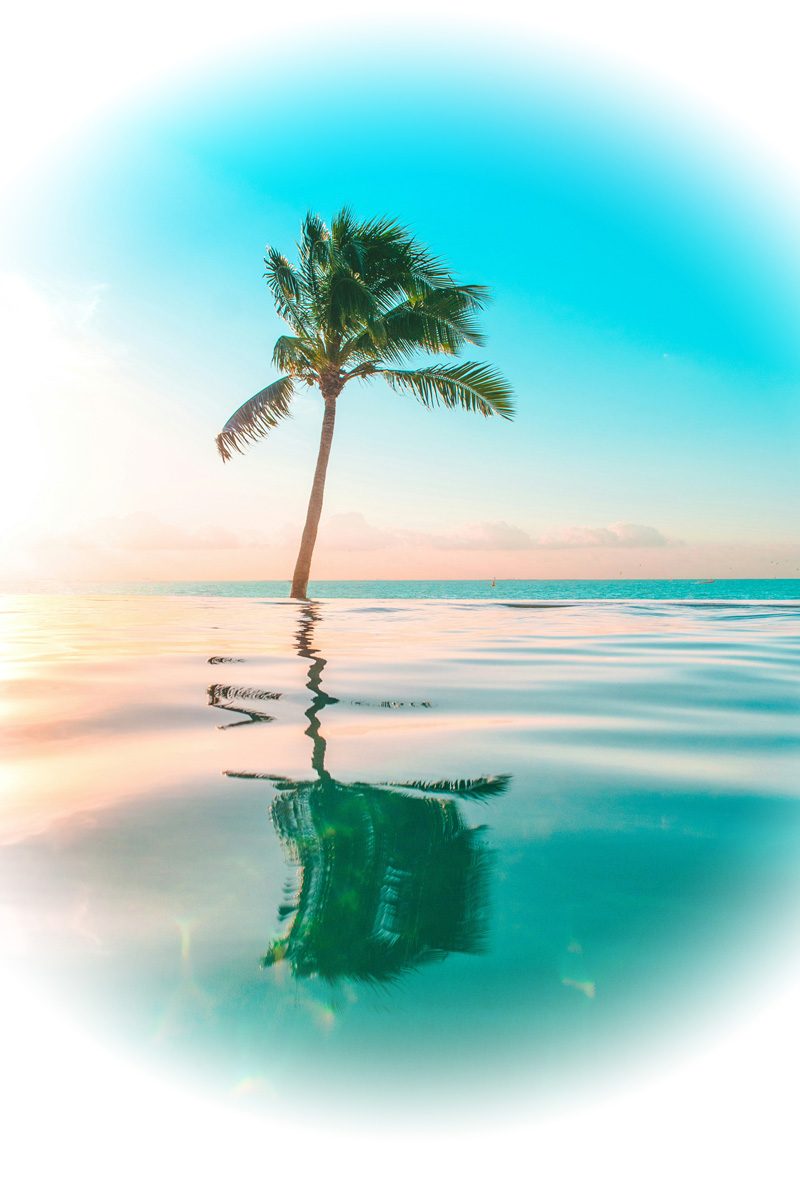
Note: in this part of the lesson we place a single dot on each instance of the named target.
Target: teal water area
(448, 589)
(381, 858)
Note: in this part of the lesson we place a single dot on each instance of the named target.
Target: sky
(643, 262)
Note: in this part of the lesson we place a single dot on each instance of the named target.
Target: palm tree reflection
(390, 876)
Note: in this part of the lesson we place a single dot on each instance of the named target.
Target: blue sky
(645, 306)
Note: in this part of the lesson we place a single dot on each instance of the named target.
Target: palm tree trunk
(302, 568)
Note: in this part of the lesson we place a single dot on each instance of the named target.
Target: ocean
(442, 589)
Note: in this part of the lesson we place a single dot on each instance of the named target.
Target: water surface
(727, 590)
(410, 855)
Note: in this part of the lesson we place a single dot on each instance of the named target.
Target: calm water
(452, 589)
(354, 855)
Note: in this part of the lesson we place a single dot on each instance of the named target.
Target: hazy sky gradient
(645, 309)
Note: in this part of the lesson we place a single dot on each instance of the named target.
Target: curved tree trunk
(330, 390)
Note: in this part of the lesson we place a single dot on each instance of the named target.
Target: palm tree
(363, 298)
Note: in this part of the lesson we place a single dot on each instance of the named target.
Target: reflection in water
(390, 875)
(239, 700)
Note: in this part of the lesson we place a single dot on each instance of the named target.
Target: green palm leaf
(287, 289)
(256, 417)
(297, 356)
(349, 302)
(476, 387)
(315, 241)
(434, 328)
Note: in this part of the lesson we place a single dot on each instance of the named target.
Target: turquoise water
(452, 589)
(424, 856)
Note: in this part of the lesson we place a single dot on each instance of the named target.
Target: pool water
(430, 856)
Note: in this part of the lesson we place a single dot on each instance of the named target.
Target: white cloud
(483, 535)
(138, 532)
(144, 531)
(352, 531)
(140, 543)
(621, 534)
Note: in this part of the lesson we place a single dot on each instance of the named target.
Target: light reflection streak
(586, 986)
(189, 1004)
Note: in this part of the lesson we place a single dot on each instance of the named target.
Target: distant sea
(442, 589)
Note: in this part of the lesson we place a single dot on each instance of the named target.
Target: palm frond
(359, 348)
(276, 779)
(219, 693)
(476, 387)
(348, 245)
(437, 328)
(470, 297)
(344, 225)
(389, 258)
(295, 355)
(427, 270)
(256, 417)
(315, 238)
(361, 371)
(397, 350)
(455, 304)
(386, 231)
(404, 332)
(349, 302)
(287, 289)
(465, 789)
(437, 321)
(313, 251)
(236, 699)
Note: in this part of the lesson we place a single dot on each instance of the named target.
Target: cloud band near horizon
(142, 546)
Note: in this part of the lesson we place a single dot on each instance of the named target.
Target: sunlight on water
(398, 854)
